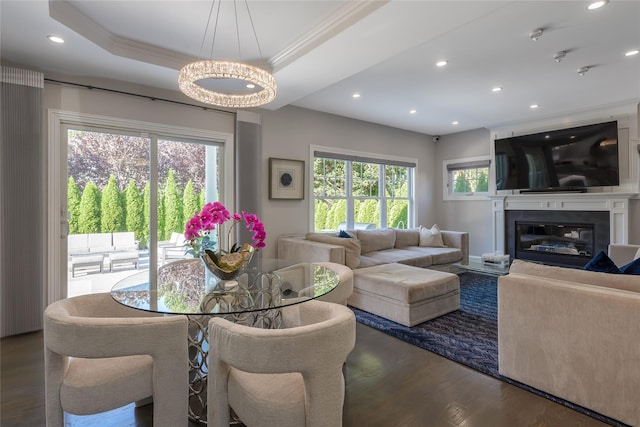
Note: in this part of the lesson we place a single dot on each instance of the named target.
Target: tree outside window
(360, 193)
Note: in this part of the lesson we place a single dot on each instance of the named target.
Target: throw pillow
(431, 237)
(632, 268)
(343, 234)
(602, 263)
(637, 255)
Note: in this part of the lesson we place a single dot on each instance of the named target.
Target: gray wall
(290, 131)
(473, 216)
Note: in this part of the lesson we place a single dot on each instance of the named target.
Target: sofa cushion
(401, 256)
(602, 263)
(376, 240)
(351, 247)
(607, 280)
(409, 237)
(439, 256)
(431, 237)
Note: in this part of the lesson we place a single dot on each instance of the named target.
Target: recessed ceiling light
(454, 123)
(583, 70)
(412, 111)
(55, 39)
(632, 52)
(534, 106)
(251, 86)
(536, 34)
(597, 4)
(356, 95)
(441, 63)
(496, 89)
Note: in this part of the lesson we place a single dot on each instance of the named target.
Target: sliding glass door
(128, 196)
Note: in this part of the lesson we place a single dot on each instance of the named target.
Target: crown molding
(65, 13)
(341, 19)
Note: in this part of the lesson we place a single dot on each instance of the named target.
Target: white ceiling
(321, 52)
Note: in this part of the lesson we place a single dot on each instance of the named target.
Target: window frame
(357, 156)
(450, 166)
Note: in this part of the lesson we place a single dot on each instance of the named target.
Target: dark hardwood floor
(389, 383)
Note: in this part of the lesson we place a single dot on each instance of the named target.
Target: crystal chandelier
(191, 73)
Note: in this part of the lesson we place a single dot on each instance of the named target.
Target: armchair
(100, 355)
(289, 377)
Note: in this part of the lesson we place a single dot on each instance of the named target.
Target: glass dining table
(256, 299)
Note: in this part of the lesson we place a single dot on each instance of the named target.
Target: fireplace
(565, 238)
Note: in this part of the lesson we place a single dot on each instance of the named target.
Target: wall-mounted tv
(566, 159)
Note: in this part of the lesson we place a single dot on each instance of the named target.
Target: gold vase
(228, 266)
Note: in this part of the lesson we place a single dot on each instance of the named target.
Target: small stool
(405, 294)
(121, 258)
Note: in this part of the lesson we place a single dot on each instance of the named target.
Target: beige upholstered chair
(344, 290)
(100, 355)
(290, 377)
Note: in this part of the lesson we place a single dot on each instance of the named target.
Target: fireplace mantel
(617, 204)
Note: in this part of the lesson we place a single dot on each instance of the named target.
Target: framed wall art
(286, 179)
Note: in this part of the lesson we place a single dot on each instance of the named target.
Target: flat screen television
(566, 159)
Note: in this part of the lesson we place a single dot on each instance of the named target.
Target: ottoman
(86, 261)
(122, 258)
(405, 294)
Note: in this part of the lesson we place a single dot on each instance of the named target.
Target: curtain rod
(151, 98)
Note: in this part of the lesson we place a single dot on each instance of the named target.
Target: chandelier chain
(215, 28)
(255, 35)
(191, 74)
(235, 11)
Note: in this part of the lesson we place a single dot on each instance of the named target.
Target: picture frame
(286, 179)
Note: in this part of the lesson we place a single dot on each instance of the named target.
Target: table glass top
(187, 287)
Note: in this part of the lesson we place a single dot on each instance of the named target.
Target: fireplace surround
(574, 209)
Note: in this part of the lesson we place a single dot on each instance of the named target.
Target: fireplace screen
(566, 239)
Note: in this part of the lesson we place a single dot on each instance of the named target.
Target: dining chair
(289, 377)
(101, 355)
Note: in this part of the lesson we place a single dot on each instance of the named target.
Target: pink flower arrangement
(211, 218)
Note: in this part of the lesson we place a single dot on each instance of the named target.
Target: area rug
(468, 336)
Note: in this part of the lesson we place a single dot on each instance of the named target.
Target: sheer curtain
(22, 197)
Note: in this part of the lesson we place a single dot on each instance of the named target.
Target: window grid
(470, 180)
(360, 201)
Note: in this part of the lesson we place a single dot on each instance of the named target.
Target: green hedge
(113, 210)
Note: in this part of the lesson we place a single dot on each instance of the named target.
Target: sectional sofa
(395, 272)
(367, 248)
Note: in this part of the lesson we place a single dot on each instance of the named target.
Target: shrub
(73, 205)
(112, 211)
(172, 207)
(134, 215)
(89, 217)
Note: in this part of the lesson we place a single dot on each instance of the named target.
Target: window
(357, 192)
(466, 178)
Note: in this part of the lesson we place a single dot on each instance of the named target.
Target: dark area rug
(468, 336)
